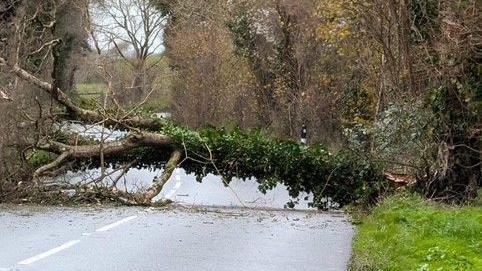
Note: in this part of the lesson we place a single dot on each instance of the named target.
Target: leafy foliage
(340, 177)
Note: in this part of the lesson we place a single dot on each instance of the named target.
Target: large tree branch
(157, 186)
(143, 139)
(69, 153)
(76, 112)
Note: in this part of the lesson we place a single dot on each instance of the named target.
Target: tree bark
(156, 188)
(68, 29)
(69, 153)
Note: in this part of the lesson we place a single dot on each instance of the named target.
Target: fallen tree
(341, 178)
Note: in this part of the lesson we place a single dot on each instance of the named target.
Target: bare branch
(48, 44)
(53, 165)
(4, 96)
(157, 186)
(77, 112)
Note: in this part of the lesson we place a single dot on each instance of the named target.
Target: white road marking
(84, 234)
(116, 224)
(70, 243)
(178, 184)
(48, 253)
(174, 190)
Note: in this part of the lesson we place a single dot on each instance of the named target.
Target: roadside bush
(399, 138)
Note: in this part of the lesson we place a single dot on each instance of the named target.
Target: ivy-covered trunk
(456, 102)
(459, 171)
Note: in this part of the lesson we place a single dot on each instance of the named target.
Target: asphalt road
(237, 228)
(178, 238)
(183, 188)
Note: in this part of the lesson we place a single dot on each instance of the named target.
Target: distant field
(89, 95)
(407, 233)
(90, 91)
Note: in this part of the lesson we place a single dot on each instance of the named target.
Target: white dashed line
(48, 253)
(116, 224)
(70, 243)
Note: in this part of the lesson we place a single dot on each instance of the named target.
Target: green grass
(407, 233)
(39, 158)
(90, 93)
(95, 89)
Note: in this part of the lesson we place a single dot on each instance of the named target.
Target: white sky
(107, 21)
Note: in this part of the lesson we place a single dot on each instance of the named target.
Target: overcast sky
(107, 21)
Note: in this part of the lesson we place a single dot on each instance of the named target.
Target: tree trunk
(459, 154)
(69, 16)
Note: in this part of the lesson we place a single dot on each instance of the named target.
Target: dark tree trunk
(69, 16)
(464, 174)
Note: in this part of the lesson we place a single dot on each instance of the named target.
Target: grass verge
(407, 233)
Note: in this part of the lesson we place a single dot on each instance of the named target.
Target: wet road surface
(177, 238)
(183, 188)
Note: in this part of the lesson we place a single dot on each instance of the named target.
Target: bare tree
(133, 30)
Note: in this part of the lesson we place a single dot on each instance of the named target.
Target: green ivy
(424, 16)
(340, 177)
